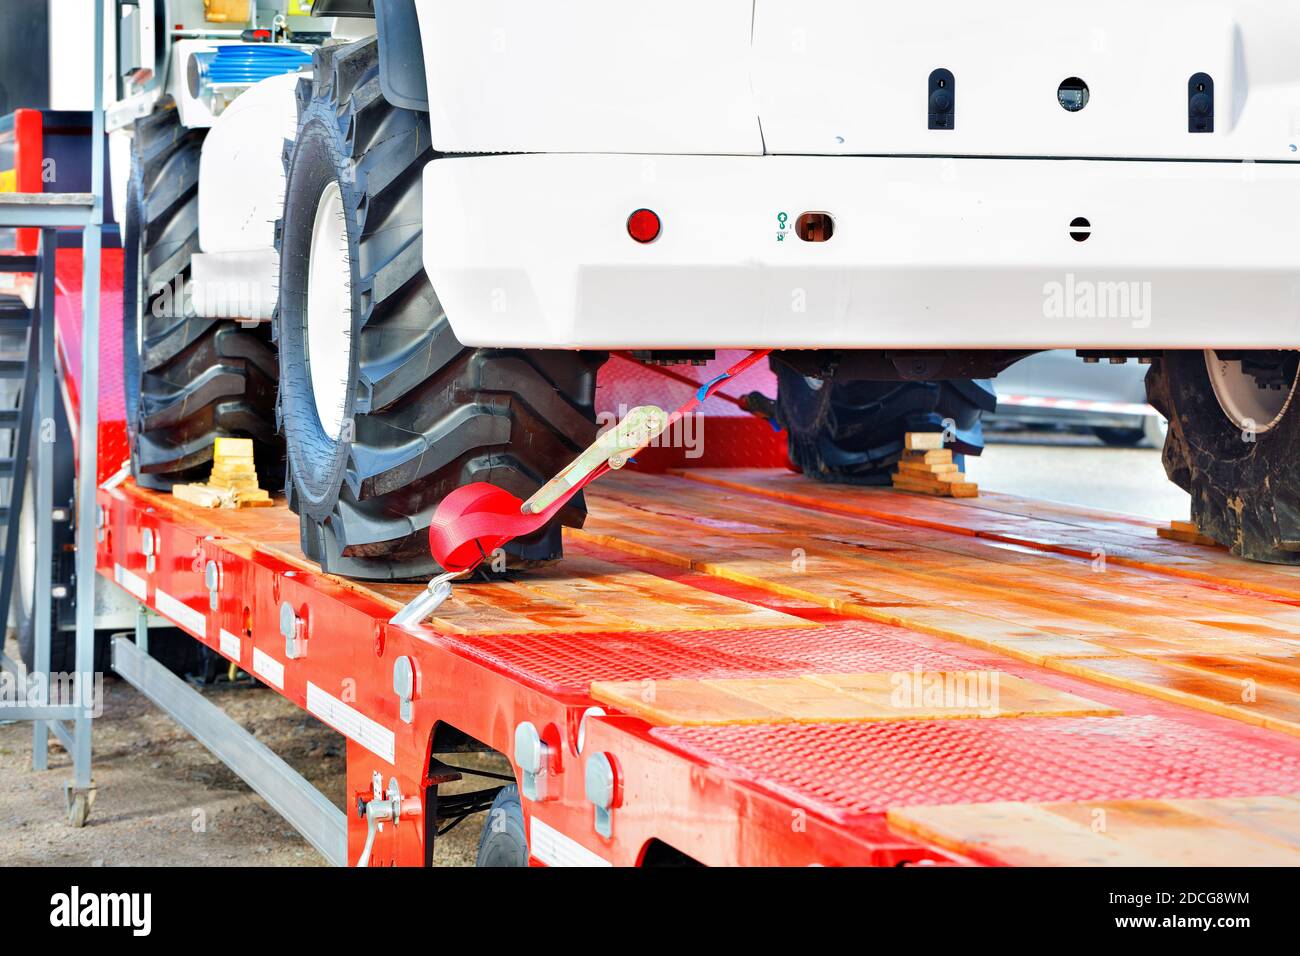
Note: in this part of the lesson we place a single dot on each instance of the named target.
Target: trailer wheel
(383, 410)
(504, 841)
(62, 569)
(852, 432)
(1233, 444)
(188, 379)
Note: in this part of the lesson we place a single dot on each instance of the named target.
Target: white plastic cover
(847, 76)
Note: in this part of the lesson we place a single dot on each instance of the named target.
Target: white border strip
(230, 644)
(555, 849)
(180, 612)
(131, 582)
(353, 724)
(264, 665)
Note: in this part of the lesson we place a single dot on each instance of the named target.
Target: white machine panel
(590, 75)
(534, 251)
(839, 76)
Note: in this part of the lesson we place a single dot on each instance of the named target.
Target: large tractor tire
(189, 380)
(384, 412)
(852, 432)
(1233, 444)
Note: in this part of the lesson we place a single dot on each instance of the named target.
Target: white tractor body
(731, 120)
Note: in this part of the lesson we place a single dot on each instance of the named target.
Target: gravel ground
(163, 799)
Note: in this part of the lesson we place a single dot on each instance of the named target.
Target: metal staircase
(20, 354)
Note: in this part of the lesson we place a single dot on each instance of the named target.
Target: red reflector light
(643, 225)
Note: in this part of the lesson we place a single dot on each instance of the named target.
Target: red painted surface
(29, 142)
(754, 794)
(113, 447)
(721, 436)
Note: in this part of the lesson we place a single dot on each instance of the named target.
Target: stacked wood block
(233, 482)
(1188, 533)
(927, 468)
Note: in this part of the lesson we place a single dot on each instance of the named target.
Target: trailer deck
(758, 647)
(747, 635)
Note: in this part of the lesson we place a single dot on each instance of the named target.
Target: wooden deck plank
(1251, 831)
(1129, 541)
(1122, 594)
(1113, 627)
(841, 698)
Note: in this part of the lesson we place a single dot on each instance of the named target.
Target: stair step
(20, 264)
(4, 517)
(9, 417)
(15, 325)
(6, 467)
(12, 368)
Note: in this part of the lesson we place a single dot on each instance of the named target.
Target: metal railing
(48, 211)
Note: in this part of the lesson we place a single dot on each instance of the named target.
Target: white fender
(241, 195)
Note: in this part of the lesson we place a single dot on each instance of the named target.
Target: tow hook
(383, 807)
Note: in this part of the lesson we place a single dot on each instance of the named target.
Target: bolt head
(599, 780)
(404, 678)
(529, 749)
(288, 620)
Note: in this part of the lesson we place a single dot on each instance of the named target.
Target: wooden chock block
(233, 481)
(1187, 533)
(927, 468)
(923, 441)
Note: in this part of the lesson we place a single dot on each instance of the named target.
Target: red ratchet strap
(476, 519)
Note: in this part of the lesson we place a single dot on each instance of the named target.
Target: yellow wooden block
(841, 698)
(923, 441)
(203, 496)
(921, 468)
(941, 457)
(943, 489)
(1188, 533)
(232, 448)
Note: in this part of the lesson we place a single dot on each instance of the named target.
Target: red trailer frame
(799, 791)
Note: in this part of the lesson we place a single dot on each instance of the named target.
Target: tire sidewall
(504, 840)
(1217, 442)
(134, 298)
(316, 460)
(1245, 493)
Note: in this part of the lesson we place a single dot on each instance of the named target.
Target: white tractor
(410, 231)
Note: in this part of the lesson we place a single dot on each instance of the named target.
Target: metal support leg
(142, 628)
(44, 493)
(80, 792)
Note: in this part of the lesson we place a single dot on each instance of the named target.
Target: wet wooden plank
(1039, 608)
(1124, 599)
(1247, 831)
(1129, 540)
(840, 698)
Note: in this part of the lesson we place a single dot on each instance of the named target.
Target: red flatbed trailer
(758, 648)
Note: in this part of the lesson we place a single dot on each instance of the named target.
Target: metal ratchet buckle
(639, 427)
